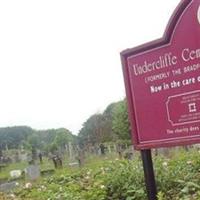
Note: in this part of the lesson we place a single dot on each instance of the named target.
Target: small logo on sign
(192, 107)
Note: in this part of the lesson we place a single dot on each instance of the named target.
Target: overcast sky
(59, 60)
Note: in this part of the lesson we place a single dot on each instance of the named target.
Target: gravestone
(15, 173)
(16, 157)
(102, 149)
(6, 187)
(47, 172)
(1, 151)
(109, 149)
(40, 157)
(57, 161)
(33, 172)
(70, 150)
(74, 164)
(80, 156)
(3, 180)
(23, 156)
(34, 154)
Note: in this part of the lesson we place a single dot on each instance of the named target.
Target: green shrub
(177, 177)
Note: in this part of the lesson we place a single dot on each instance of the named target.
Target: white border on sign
(142, 53)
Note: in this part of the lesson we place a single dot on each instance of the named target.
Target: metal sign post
(149, 174)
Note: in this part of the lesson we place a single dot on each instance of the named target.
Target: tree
(12, 137)
(63, 137)
(109, 126)
(92, 131)
(108, 134)
(120, 123)
(34, 141)
(18, 136)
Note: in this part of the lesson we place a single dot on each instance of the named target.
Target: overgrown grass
(108, 178)
(4, 173)
(46, 164)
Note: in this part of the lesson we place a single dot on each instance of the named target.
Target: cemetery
(145, 146)
(108, 176)
(99, 163)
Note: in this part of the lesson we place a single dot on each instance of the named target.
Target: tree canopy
(111, 125)
(26, 137)
(108, 126)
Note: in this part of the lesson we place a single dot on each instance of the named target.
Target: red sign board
(162, 80)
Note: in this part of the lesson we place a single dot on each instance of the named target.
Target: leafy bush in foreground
(178, 178)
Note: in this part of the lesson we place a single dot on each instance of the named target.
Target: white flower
(189, 162)
(28, 185)
(164, 164)
(12, 195)
(88, 173)
(87, 177)
(43, 187)
(102, 186)
(17, 184)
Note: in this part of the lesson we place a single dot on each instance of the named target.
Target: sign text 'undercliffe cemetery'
(162, 80)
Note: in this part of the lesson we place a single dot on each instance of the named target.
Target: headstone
(129, 153)
(15, 173)
(70, 150)
(66, 148)
(74, 164)
(33, 172)
(7, 147)
(96, 149)
(57, 161)
(115, 147)
(1, 151)
(16, 157)
(47, 172)
(29, 158)
(6, 187)
(23, 157)
(40, 157)
(80, 157)
(3, 180)
(109, 149)
(119, 150)
(102, 149)
(34, 153)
